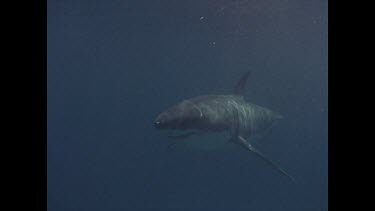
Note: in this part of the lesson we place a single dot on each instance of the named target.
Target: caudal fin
(278, 115)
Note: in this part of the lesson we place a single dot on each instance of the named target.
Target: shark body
(218, 113)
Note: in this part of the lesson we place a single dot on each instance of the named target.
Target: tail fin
(278, 115)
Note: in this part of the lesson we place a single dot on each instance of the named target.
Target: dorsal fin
(240, 86)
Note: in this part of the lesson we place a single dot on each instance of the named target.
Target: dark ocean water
(113, 66)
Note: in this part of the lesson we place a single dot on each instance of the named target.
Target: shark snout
(160, 121)
(157, 124)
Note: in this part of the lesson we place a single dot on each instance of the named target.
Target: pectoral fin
(249, 147)
(185, 135)
(181, 137)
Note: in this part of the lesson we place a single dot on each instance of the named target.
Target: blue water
(114, 65)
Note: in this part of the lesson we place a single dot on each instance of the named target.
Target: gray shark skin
(218, 113)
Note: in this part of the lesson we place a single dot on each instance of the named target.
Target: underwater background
(114, 65)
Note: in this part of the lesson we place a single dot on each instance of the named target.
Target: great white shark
(221, 113)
